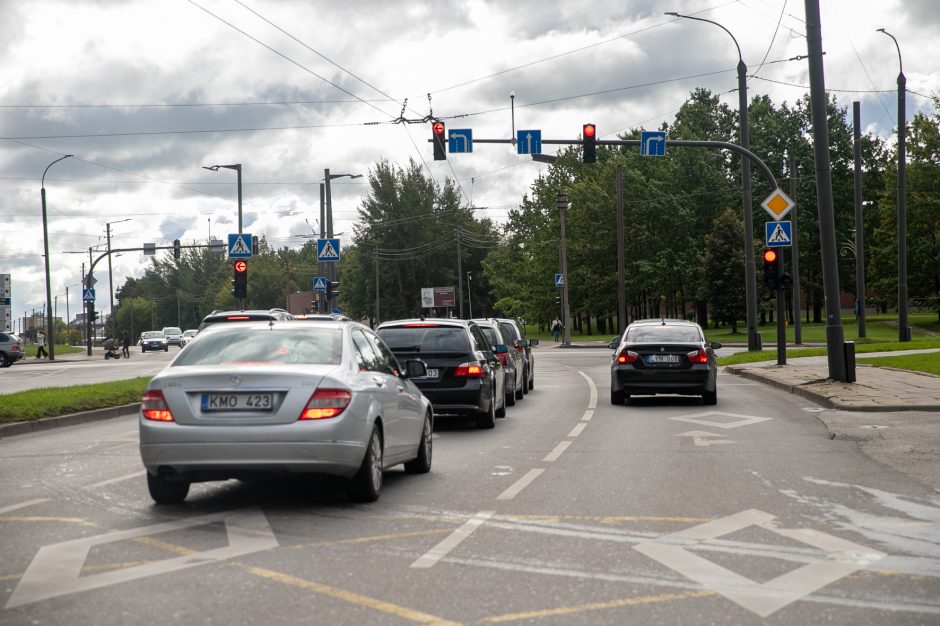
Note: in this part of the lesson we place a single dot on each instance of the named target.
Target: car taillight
(469, 370)
(503, 358)
(627, 356)
(519, 348)
(153, 407)
(326, 403)
(698, 356)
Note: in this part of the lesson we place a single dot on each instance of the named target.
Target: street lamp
(107, 227)
(750, 270)
(238, 168)
(469, 299)
(50, 323)
(326, 196)
(903, 330)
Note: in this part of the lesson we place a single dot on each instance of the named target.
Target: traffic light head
(176, 249)
(771, 269)
(438, 139)
(589, 143)
(240, 281)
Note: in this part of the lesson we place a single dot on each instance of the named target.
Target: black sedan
(663, 357)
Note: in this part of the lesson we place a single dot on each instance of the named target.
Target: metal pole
(904, 333)
(859, 224)
(469, 300)
(50, 323)
(107, 228)
(89, 324)
(321, 269)
(750, 270)
(238, 170)
(459, 274)
(835, 344)
(376, 258)
(795, 260)
(329, 230)
(562, 201)
(67, 318)
(781, 318)
(621, 270)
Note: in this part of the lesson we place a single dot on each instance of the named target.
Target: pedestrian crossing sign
(328, 250)
(239, 246)
(319, 284)
(778, 234)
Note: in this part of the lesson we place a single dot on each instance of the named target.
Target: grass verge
(929, 363)
(29, 405)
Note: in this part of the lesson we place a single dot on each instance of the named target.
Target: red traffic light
(438, 128)
(240, 266)
(589, 130)
(770, 256)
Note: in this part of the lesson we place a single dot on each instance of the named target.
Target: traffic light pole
(562, 201)
(781, 316)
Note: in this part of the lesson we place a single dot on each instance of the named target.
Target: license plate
(237, 402)
(662, 358)
(432, 373)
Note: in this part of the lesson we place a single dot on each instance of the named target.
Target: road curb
(45, 423)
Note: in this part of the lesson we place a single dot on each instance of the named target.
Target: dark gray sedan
(281, 398)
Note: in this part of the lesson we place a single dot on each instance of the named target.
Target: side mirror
(415, 369)
(614, 343)
(716, 345)
(533, 342)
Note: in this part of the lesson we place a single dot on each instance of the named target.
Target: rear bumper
(468, 399)
(693, 381)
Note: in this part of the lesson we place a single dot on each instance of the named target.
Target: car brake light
(420, 325)
(698, 356)
(153, 407)
(627, 356)
(469, 370)
(237, 318)
(325, 403)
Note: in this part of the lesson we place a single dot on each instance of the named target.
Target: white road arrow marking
(703, 438)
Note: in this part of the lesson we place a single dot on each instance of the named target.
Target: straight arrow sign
(704, 438)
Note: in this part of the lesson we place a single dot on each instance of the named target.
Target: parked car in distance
(511, 359)
(663, 356)
(174, 336)
(322, 317)
(12, 349)
(188, 335)
(270, 315)
(463, 377)
(281, 398)
(153, 340)
(522, 346)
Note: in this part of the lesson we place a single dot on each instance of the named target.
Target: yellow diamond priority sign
(777, 204)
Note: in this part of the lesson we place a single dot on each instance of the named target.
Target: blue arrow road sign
(239, 246)
(460, 140)
(88, 295)
(319, 284)
(779, 234)
(529, 142)
(653, 143)
(559, 280)
(327, 249)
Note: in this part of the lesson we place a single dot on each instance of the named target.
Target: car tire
(422, 463)
(617, 397)
(511, 398)
(525, 381)
(166, 349)
(366, 485)
(520, 390)
(165, 491)
(532, 381)
(710, 398)
(142, 350)
(487, 419)
(5, 361)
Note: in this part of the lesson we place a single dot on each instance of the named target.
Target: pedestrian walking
(556, 328)
(126, 348)
(41, 345)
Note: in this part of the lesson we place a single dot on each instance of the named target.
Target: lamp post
(469, 299)
(750, 270)
(107, 227)
(50, 322)
(327, 177)
(238, 168)
(903, 330)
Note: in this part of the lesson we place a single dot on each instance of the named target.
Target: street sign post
(239, 246)
(529, 142)
(653, 143)
(460, 140)
(327, 250)
(319, 284)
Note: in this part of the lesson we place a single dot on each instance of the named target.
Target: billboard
(437, 297)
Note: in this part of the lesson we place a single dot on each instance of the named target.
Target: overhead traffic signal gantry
(589, 143)
(240, 279)
(771, 269)
(438, 139)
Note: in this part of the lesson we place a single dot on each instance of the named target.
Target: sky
(144, 93)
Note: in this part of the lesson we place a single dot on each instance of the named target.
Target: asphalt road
(31, 373)
(571, 511)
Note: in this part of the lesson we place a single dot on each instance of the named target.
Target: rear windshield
(305, 345)
(172, 331)
(510, 330)
(663, 334)
(426, 338)
(153, 334)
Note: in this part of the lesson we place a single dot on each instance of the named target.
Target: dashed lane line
(554, 454)
(22, 505)
(520, 484)
(587, 415)
(577, 429)
(592, 404)
(442, 549)
(116, 479)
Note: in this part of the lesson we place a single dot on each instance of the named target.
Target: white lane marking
(593, 402)
(703, 438)
(554, 454)
(117, 479)
(22, 505)
(435, 554)
(587, 416)
(842, 558)
(56, 569)
(740, 420)
(577, 429)
(520, 484)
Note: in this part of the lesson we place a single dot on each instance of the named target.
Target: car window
(426, 338)
(304, 346)
(388, 360)
(492, 335)
(366, 357)
(662, 334)
(482, 343)
(510, 329)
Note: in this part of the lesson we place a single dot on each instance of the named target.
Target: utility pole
(859, 223)
(375, 256)
(562, 202)
(321, 269)
(621, 270)
(795, 260)
(459, 273)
